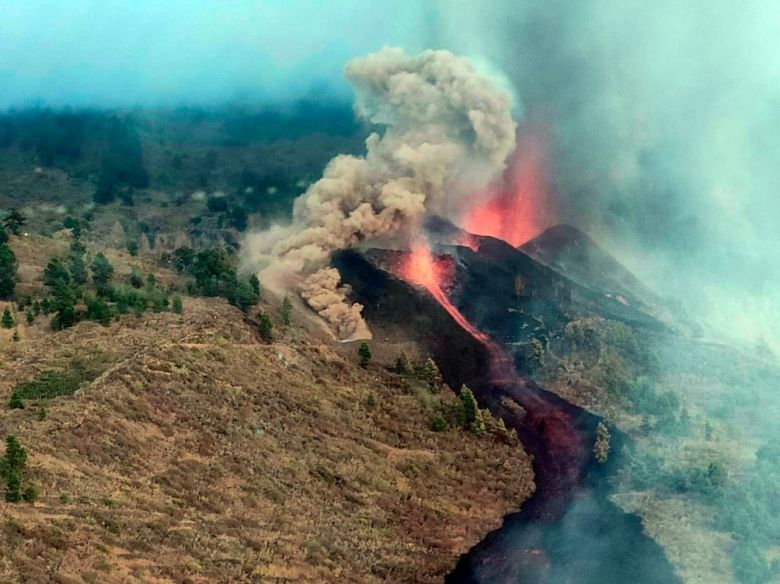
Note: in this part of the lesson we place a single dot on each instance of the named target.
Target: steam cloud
(446, 128)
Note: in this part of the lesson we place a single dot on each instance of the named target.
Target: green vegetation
(364, 355)
(121, 164)
(15, 403)
(176, 306)
(266, 328)
(402, 365)
(11, 467)
(428, 372)
(471, 415)
(8, 267)
(439, 423)
(7, 320)
(14, 221)
(286, 311)
(51, 384)
(102, 273)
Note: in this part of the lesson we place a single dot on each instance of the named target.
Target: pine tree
(471, 414)
(402, 365)
(177, 305)
(255, 283)
(102, 272)
(601, 447)
(30, 316)
(428, 371)
(8, 266)
(7, 320)
(286, 311)
(266, 328)
(11, 466)
(14, 221)
(364, 354)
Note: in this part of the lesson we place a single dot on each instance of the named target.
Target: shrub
(15, 402)
(30, 494)
(364, 355)
(177, 305)
(50, 384)
(7, 320)
(438, 424)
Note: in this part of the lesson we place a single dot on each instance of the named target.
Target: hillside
(192, 451)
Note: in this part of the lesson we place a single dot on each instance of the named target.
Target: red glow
(515, 209)
(421, 268)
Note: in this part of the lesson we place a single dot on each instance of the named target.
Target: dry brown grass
(203, 455)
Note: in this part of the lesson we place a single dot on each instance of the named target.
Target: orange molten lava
(514, 210)
(422, 269)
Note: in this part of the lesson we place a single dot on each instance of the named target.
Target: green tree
(77, 269)
(471, 414)
(364, 355)
(402, 365)
(11, 467)
(183, 258)
(177, 305)
(254, 281)
(14, 221)
(266, 328)
(429, 372)
(99, 311)
(7, 271)
(214, 274)
(3, 235)
(245, 296)
(30, 316)
(63, 304)
(132, 247)
(56, 274)
(102, 272)
(601, 447)
(286, 311)
(8, 320)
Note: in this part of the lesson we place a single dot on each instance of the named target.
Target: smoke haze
(662, 118)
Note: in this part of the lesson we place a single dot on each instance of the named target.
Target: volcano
(512, 298)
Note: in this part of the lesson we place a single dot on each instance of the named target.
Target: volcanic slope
(193, 452)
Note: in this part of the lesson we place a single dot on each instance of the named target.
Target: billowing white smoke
(446, 129)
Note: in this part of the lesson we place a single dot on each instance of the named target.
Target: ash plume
(445, 129)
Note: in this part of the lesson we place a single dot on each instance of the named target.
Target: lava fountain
(421, 268)
(515, 209)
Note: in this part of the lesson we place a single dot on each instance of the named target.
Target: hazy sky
(131, 51)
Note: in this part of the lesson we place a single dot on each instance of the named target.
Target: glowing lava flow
(422, 269)
(515, 209)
